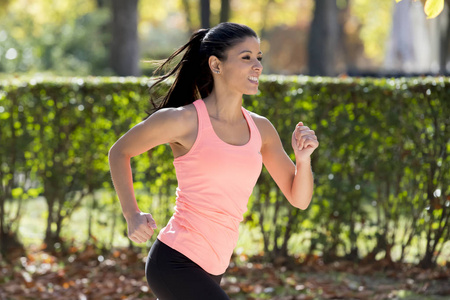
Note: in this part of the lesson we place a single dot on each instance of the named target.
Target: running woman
(219, 148)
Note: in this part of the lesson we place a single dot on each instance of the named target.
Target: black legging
(173, 276)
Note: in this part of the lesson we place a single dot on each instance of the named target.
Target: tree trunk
(265, 16)
(444, 41)
(89, 233)
(427, 261)
(3, 236)
(48, 231)
(101, 3)
(59, 221)
(323, 39)
(6, 189)
(205, 13)
(262, 208)
(345, 55)
(125, 46)
(287, 234)
(225, 10)
(277, 229)
(187, 12)
(113, 228)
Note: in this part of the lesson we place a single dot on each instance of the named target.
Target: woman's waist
(217, 235)
(199, 218)
(215, 204)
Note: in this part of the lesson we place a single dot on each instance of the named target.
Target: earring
(217, 71)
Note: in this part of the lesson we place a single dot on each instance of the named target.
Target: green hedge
(381, 171)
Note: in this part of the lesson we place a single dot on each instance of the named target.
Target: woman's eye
(248, 57)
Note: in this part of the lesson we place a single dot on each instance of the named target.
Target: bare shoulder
(173, 122)
(178, 118)
(176, 115)
(265, 127)
(259, 120)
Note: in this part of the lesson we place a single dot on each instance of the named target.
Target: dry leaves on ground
(120, 275)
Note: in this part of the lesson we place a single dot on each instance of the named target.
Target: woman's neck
(224, 107)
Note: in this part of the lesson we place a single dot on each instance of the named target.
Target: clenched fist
(140, 227)
(304, 142)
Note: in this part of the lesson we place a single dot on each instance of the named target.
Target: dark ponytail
(193, 77)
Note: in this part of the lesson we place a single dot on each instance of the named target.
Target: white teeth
(253, 78)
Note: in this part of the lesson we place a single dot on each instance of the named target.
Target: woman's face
(242, 68)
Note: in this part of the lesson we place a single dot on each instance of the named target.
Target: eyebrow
(249, 51)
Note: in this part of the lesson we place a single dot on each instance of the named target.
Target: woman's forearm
(122, 178)
(302, 185)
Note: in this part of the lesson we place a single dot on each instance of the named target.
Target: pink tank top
(215, 180)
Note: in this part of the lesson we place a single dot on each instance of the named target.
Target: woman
(219, 148)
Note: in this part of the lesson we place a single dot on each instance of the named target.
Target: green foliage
(76, 46)
(16, 172)
(379, 140)
(380, 171)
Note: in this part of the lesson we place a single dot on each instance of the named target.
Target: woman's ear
(214, 64)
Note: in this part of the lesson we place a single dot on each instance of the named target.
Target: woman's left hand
(304, 142)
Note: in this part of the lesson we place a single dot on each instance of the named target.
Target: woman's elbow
(302, 204)
(112, 152)
(115, 152)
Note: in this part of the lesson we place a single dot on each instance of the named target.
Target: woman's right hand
(140, 227)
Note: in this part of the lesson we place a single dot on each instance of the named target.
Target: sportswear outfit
(215, 180)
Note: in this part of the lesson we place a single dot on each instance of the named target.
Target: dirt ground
(120, 275)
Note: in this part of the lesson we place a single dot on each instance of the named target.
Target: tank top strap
(202, 114)
(255, 136)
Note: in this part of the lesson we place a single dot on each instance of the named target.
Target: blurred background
(106, 37)
(378, 227)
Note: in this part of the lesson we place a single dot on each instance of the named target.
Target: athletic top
(215, 180)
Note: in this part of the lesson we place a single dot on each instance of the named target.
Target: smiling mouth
(253, 79)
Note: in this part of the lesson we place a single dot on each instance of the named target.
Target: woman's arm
(164, 126)
(295, 180)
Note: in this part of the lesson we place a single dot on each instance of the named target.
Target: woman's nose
(258, 66)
